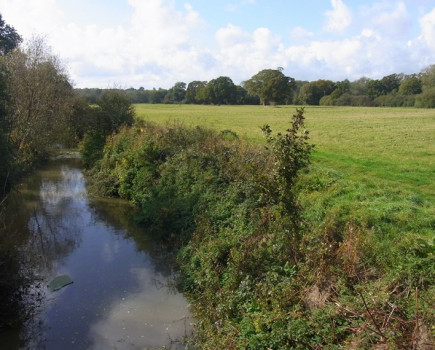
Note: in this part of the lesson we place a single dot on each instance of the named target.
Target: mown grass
(395, 145)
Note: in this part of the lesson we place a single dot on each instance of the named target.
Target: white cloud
(242, 54)
(158, 44)
(391, 19)
(299, 33)
(157, 35)
(427, 24)
(339, 18)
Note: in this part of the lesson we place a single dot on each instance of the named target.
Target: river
(122, 295)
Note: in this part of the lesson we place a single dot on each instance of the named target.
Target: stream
(122, 295)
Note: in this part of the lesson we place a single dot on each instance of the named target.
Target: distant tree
(244, 98)
(359, 87)
(117, 110)
(192, 91)
(137, 96)
(90, 94)
(312, 92)
(426, 99)
(428, 77)
(376, 88)
(9, 38)
(176, 94)
(271, 86)
(157, 96)
(392, 82)
(411, 86)
(221, 90)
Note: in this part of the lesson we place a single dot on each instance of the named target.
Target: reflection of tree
(40, 227)
(120, 215)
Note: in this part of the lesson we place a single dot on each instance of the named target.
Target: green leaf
(59, 282)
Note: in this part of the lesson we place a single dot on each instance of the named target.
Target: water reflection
(120, 297)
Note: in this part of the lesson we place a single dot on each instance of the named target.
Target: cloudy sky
(155, 43)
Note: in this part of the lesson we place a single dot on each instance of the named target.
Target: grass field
(393, 145)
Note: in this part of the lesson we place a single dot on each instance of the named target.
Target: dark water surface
(121, 296)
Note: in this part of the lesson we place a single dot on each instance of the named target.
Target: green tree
(271, 86)
(117, 110)
(157, 95)
(411, 86)
(392, 82)
(40, 100)
(428, 77)
(376, 88)
(221, 90)
(359, 87)
(176, 94)
(426, 99)
(9, 38)
(192, 91)
(312, 92)
(5, 151)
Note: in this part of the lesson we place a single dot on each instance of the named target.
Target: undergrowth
(276, 253)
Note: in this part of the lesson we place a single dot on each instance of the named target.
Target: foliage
(116, 109)
(176, 94)
(92, 124)
(192, 91)
(428, 76)
(9, 38)
(426, 99)
(411, 86)
(311, 93)
(219, 91)
(271, 86)
(40, 101)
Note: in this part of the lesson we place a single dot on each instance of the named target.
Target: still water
(122, 295)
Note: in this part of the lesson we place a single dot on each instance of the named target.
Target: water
(122, 295)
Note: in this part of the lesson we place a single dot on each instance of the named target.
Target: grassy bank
(343, 258)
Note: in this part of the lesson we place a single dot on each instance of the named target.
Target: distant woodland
(271, 86)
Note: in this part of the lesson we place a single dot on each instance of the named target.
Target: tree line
(271, 87)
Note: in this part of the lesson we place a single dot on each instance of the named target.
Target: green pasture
(393, 145)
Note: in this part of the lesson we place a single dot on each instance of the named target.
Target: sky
(156, 43)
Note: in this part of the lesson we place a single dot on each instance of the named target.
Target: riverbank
(322, 262)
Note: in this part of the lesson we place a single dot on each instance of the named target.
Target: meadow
(395, 145)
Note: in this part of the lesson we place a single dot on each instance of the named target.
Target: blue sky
(156, 43)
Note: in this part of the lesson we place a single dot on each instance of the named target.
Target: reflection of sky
(114, 300)
(150, 317)
(71, 186)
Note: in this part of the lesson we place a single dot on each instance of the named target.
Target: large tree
(176, 93)
(117, 110)
(192, 91)
(411, 85)
(312, 92)
(221, 90)
(40, 99)
(9, 38)
(271, 86)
